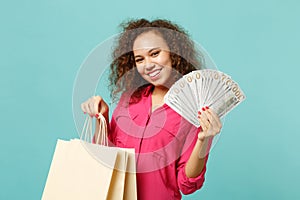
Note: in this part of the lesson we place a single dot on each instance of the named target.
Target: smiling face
(152, 58)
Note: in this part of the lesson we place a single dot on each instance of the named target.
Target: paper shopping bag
(76, 174)
(118, 189)
(117, 184)
(123, 181)
(130, 192)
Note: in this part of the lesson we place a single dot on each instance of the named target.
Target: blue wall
(43, 44)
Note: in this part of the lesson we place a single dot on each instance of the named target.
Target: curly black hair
(183, 54)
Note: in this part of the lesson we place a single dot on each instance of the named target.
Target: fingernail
(97, 115)
(199, 113)
(203, 109)
(207, 107)
(84, 112)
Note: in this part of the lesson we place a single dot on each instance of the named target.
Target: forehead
(149, 40)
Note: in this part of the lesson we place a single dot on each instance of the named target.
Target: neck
(160, 91)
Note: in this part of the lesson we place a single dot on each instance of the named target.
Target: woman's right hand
(95, 105)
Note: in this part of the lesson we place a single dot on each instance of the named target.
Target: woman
(171, 154)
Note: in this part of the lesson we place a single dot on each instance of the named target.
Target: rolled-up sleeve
(189, 185)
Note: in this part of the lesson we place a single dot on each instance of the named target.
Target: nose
(149, 65)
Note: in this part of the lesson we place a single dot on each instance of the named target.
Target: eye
(138, 60)
(155, 53)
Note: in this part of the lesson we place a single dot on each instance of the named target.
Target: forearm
(197, 160)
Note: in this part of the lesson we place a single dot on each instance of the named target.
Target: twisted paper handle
(102, 133)
(87, 133)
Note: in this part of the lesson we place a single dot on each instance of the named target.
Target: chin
(160, 84)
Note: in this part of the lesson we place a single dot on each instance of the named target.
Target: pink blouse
(163, 142)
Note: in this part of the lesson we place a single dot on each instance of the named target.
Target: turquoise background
(43, 44)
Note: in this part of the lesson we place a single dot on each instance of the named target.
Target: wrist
(202, 137)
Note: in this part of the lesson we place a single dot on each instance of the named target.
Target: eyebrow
(153, 49)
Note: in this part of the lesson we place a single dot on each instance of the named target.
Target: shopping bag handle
(87, 130)
(102, 133)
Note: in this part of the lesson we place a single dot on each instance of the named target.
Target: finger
(83, 108)
(213, 122)
(215, 117)
(216, 124)
(102, 107)
(210, 124)
(203, 126)
(213, 128)
(201, 121)
(204, 114)
(207, 118)
(204, 122)
(86, 108)
(97, 104)
(90, 107)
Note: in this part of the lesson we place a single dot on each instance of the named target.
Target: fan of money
(201, 88)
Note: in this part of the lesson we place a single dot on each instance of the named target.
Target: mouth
(155, 73)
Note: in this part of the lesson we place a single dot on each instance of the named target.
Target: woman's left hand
(210, 123)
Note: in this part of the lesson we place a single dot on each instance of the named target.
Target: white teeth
(154, 73)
